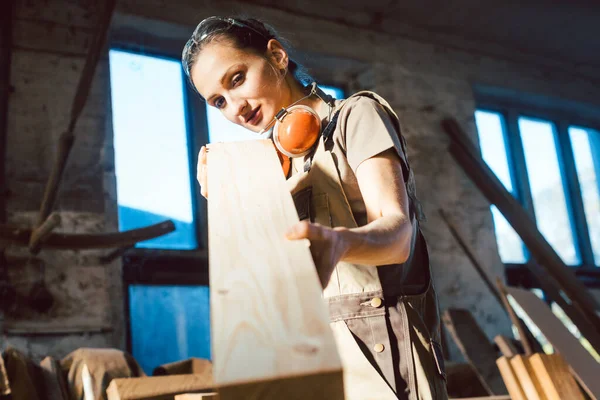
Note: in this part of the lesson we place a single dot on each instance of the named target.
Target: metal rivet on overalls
(376, 302)
(378, 348)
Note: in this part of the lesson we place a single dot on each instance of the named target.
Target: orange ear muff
(296, 130)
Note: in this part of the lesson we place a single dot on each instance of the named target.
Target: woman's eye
(237, 79)
(219, 103)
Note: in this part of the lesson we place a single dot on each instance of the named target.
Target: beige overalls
(387, 330)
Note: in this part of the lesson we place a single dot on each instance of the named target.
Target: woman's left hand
(326, 245)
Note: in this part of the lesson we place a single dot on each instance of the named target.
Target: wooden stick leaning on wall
(481, 270)
(465, 153)
(157, 387)
(81, 94)
(269, 324)
(516, 321)
(475, 347)
(20, 237)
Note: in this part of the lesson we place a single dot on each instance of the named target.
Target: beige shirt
(363, 130)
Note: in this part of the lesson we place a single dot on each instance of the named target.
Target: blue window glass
(547, 190)
(169, 323)
(586, 151)
(152, 161)
(490, 126)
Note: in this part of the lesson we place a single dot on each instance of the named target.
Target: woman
(356, 195)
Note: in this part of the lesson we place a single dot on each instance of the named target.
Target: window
(551, 165)
(159, 125)
(152, 156)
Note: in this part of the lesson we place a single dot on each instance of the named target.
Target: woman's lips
(255, 117)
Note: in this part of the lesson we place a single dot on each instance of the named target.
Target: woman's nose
(240, 108)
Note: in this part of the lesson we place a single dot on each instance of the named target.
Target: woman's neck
(298, 92)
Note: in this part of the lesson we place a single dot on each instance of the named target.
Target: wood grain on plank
(198, 396)
(157, 387)
(268, 318)
(475, 347)
(585, 368)
(555, 378)
(527, 377)
(510, 379)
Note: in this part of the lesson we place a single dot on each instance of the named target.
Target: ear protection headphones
(297, 128)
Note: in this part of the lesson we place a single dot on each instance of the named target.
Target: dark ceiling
(563, 30)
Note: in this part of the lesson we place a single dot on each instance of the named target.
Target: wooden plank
(55, 384)
(462, 381)
(466, 154)
(527, 378)
(507, 348)
(20, 236)
(555, 378)
(510, 379)
(4, 384)
(267, 310)
(585, 368)
(197, 396)
(157, 387)
(475, 347)
(514, 318)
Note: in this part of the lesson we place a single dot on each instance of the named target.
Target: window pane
(493, 151)
(169, 323)
(587, 163)
(151, 149)
(547, 189)
(333, 91)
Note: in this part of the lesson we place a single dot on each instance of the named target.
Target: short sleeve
(368, 131)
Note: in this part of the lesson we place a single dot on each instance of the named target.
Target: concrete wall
(422, 79)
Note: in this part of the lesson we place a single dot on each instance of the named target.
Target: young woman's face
(246, 87)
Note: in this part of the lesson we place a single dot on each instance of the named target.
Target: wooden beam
(467, 156)
(554, 377)
(527, 378)
(198, 396)
(507, 348)
(55, 383)
(510, 378)
(20, 237)
(83, 87)
(585, 368)
(475, 347)
(157, 387)
(269, 324)
(41, 233)
(515, 319)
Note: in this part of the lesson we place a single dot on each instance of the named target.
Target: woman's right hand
(201, 173)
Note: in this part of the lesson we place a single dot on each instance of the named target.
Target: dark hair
(246, 33)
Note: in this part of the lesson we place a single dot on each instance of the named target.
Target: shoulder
(364, 110)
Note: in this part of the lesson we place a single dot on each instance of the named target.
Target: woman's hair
(245, 33)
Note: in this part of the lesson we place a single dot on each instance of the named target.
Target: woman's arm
(384, 240)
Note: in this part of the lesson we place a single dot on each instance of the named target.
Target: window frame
(511, 109)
